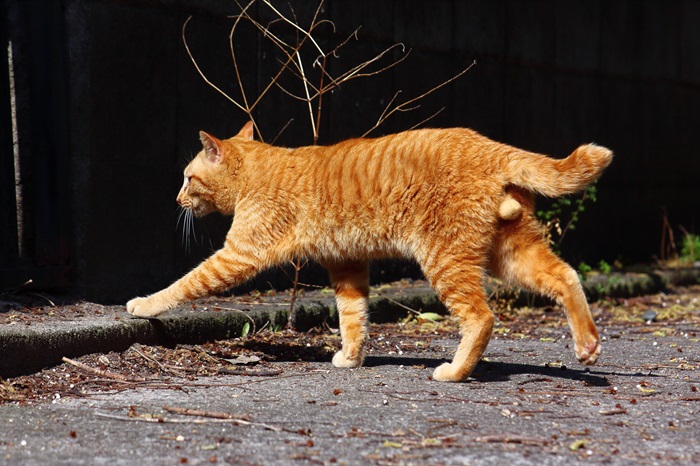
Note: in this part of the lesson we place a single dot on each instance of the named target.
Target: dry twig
(511, 438)
(102, 373)
(406, 106)
(212, 414)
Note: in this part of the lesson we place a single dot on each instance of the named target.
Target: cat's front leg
(224, 269)
(351, 284)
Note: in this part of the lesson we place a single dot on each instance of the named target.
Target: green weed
(564, 208)
(690, 248)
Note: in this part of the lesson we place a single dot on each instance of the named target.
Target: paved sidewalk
(83, 328)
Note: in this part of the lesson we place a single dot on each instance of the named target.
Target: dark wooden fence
(35, 185)
(108, 105)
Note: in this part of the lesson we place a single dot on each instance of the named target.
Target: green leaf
(429, 317)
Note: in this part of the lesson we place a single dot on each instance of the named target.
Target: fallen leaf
(390, 444)
(646, 391)
(243, 360)
(577, 444)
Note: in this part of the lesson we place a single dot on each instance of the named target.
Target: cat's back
(371, 170)
(425, 154)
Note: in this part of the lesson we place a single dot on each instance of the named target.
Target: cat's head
(209, 184)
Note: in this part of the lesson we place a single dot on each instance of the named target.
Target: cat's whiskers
(179, 217)
(187, 218)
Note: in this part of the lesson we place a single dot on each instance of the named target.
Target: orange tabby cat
(456, 201)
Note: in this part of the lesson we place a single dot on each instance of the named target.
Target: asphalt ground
(638, 406)
(528, 401)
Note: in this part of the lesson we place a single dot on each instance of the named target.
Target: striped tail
(553, 177)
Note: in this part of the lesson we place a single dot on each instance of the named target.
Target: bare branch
(282, 130)
(308, 98)
(233, 57)
(404, 106)
(355, 72)
(388, 106)
(283, 46)
(296, 26)
(290, 93)
(334, 52)
(319, 106)
(194, 62)
(300, 77)
(427, 119)
(265, 30)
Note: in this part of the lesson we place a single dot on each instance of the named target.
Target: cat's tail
(557, 177)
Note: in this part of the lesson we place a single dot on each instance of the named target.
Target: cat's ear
(247, 131)
(212, 147)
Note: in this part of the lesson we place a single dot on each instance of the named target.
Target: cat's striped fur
(456, 201)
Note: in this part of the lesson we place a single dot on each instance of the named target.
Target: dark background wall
(108, 105)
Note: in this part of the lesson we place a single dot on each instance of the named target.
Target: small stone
(649, 316)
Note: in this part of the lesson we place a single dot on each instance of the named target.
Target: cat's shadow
(491, 371)
(494, 371)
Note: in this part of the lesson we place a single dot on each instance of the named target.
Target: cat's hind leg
(457, 279)
(351, 284)
(522, 257)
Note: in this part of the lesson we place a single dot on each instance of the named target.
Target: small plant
(276, 328)
(584, 268)
(682, 253)
(561, 208)
(603, 267)
(245, 330)
(690, 248)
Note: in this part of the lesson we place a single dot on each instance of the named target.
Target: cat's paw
(447, 372)
(339, 360)
(145, 307)
(588, 353)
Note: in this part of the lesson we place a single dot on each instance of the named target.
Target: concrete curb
(27, 349)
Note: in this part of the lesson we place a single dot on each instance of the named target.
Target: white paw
(447, 372)
(144, 307)
(589, 353)
(339, 360)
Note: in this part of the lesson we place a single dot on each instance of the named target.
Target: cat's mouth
(200, 210)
